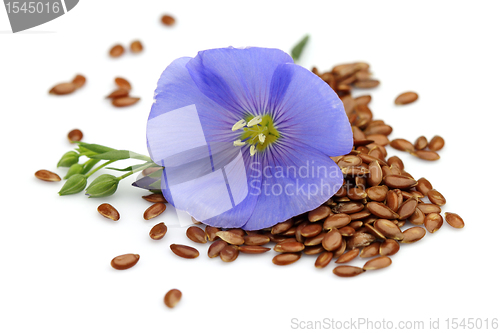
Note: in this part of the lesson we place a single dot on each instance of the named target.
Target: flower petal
(307, 110)
(295, 179)
(237, 79)
(219, 198)
(182, 118)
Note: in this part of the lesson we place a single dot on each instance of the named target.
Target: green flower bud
(74, 184)
(87, 166)
(68, 159)
(102, 186)
(75, 169)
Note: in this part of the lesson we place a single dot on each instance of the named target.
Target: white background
(55, 274)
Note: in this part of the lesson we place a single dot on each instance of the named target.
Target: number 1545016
(32, 7)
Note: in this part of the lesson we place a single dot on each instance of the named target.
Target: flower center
(258, 132)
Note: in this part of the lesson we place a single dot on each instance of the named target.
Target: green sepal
(156, 174)
(157, 185)
(74, 184)
(103, 186)
(91, 149)
(130, 168)
(68, 159)
(75, 169)
(119, 155)
(297, 49)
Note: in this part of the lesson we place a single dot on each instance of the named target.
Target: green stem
(144, 166)
(99, 168)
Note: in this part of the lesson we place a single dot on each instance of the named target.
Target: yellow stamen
(240, 124)
(254, 121)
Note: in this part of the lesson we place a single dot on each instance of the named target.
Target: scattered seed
(323, 259)
(365, 99)
(215, 248)
(348, 256)
(319, 213)
(255, 240)
(47, 176)
(389, 247)
(63, 88)
(454, 220)
(427, 155)
(370, 251)
(377, 193)
(312, 250)
(423, 186)
(118, 93)
(125, 261)
(79, 81)
(403, 145)
(347, 231)
(360, 239)
(311, 241)
(436, 143)
(155, 198)
(229, 253)
(349, 207)
(375, 176)
(282, 227)
(371, 83)
(379, 139)
(184, 251)
(154, 210)
(347, 271)
(108, 211)
(123, 83)
(370, 229)
(406, 98)
(311, 230)
(336, 221)
(377, 263)
(433, 222)
(332, 240)
(286, 259)
(428, 208)
(381, 210)
(75, 135)
(378, 129)
(291, 246)
(417, 217)
(116, 51)
(125, 101)
(407, 209)
(253, 249)
(436, 198)
(167, 20)
(388, 229)
(360, 215)
(172, 297)
(136, 46)
(399, 181)
(211, 233)
(420, 143)
(394, 160)
(231, 237)
(412, 235)
(196, 234)
(158, 231)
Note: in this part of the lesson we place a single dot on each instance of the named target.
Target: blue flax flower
(245, 137)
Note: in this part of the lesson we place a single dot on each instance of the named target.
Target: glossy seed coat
(125, 261)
